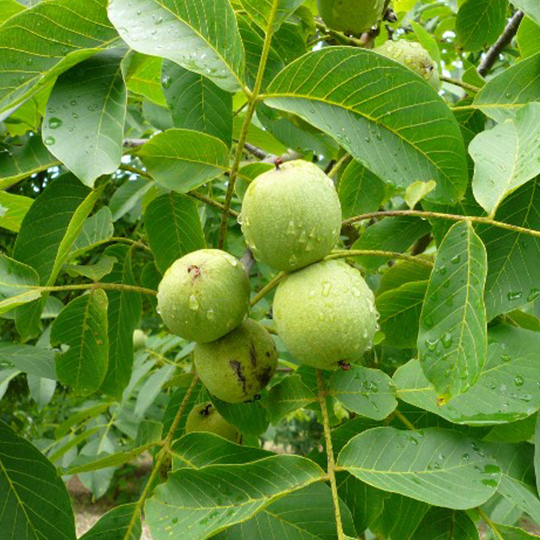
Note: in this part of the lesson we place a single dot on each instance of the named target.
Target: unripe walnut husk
(291, 216)
(205, 417)
(413, 56)
(204, 295)
(325, 315)
(351, 16)
(238, 366)
(139, 339)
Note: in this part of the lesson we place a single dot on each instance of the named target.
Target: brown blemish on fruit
(195, 270)
(253, 355)
(236, 366)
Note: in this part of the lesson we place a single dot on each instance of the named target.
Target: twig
(331, 468)
(404, 420)
(161, 457)
(259, 153)
(378, 253)
(506, 37)
(134, 143)
(464, 85)
(439, 215)
(267, 288)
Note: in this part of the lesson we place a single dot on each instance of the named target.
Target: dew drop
(193, 303)
(55, 123)
(49, 141)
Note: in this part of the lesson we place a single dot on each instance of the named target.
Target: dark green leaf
(28, 359)
(371, 105)
(95, 230)
(13, 208)
(250, 418)
(114, 525)
(288, 396)
(82, 325)
(444, 524)
(262, 10)
(16, 282)
(480, 23)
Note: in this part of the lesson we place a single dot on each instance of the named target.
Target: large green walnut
(204, 295)
(413, 56)
(291, 216)
(238, 366)
(351, 16)
(205, 417)
(325, 314)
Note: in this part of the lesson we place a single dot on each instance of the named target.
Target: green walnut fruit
(351, 16)
(325, 314)
(413, 56)
(204, 295)
(238, 366)
(205, 417)
(291, 216)
(139, 339)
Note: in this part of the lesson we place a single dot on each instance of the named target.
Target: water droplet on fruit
(193, 303)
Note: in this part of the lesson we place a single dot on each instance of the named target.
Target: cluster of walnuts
(323, 309)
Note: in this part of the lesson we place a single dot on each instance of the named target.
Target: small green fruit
(139, 339)
(325, 314)
(205, 417)
(204, 295)
(291, 216)
(351, 16)
(413, 56)
(238, 366)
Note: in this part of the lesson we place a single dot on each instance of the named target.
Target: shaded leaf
(200, 35)
(35, 501)
(174, 228)
(114, 525)
(13, 208)
(84, 122)
(250, 418)
(16, 282)
(28, 359)
(143, 76)
(452, 339)
(433, 465)
(82, 325)
(480, 23)
(182, 160)
(262, 10)
(288, 396)
(127, 196)
(95, 230)
(444, 524)
(365, 100)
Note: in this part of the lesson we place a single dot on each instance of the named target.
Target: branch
(242, 139)
(506, 37)
(134, 143)
(331, 469)
(160, 458)
(450, 217)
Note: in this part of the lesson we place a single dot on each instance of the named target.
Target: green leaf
(82, 325)
(506, 390)
(13, 208)
(515, 432)
(174, 403)
(527, 37)
(288, 396)
(418, 191)
(360, 191)
(8, 8)
(40, 43)
(433, 465)
(127, 196)
(506, 157)
(367, 392)
(197, 103)
(530, 7)
(444, 524)
(513, 272)
(123, 317)
(390, 234)
(370, 104)
(511, 90)
(114, 525)
(16, 280)
(410, 512)
(84, 123)
(198, 503)
(22, 161)
(83, 464)
(250, 418)
(400, 310)
(182, 160)
(514, 533)
(401, 273)
(197, 450)
(452, 339)
(427, 41)
(200, 35)
(151, 389)
(95, 272)
(305, 514)
(143, 76)
(35, 501)
(480, 23)
(262, 10)
(31, 360)
(174, 228)
(95, 230)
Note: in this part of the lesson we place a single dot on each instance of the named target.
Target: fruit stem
(331, 469)
(267, 288)
(440, 215)
(335, 169)
(161, 457)
(378, 253)
(252, 105)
